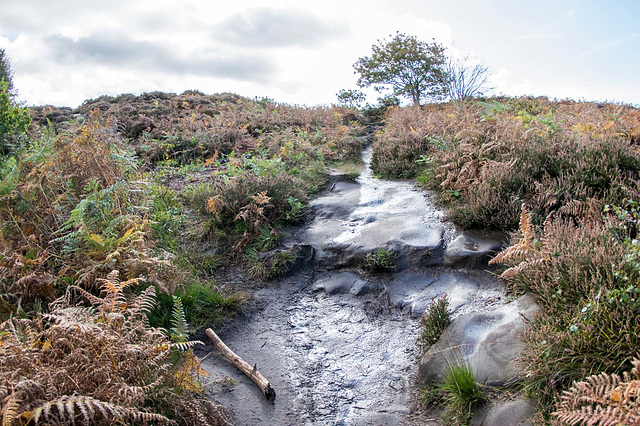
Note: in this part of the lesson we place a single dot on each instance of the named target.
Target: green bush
(14, 120)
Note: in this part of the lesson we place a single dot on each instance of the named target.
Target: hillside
(133, 221)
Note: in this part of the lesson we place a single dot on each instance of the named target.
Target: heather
(563, 176)
(485, 158)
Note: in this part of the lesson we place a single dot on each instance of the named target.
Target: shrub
(14, 120)
(486, 158)
(577, 271)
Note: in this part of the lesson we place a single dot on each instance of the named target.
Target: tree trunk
(416, 98)
(251, 372)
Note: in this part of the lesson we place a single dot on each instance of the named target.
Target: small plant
(460, 391)
(271, 266)
(431, 396)
(379, 261)
(296, 213)
(434, 322)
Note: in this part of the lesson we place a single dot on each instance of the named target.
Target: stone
(417, 290)
(510, 413)
(345, 282)
(473, 250)
(489, 342)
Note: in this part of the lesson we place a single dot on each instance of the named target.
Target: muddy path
(339, 344)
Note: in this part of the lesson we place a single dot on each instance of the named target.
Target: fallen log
(242, 365)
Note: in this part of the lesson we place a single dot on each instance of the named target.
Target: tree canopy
(14, 119)
(411, 68)
(5, 69)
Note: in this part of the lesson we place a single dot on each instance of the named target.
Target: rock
(345, 282)
(357, 218)
(489, 342)
(473, 250)
(511, 413)
(417, 290)
(302, 253)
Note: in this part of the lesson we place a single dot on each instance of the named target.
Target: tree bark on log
(242, 365)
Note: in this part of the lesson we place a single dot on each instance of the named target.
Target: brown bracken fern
(95, 360)
(521, 251)
(603, 399)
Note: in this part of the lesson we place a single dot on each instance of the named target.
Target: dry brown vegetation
(486, 158)
(95, 360)
(165, 189)
(558, 169)
(603, 399)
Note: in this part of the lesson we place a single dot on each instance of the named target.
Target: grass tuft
(434, 322)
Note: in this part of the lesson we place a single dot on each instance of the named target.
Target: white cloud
(265, 28)
(299, 52)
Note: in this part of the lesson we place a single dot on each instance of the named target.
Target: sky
(302, 52)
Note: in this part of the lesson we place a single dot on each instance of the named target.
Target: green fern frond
(179, 325)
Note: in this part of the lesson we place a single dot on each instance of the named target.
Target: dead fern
(521, 251)
(603, 399)
(95, 360)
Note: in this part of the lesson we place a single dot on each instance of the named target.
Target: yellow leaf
(96, 239)
(46, 345)
(128, 233)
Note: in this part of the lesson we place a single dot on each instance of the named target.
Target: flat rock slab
(464, 290)
(356, 218)
(489, 342)
(511, 413)
(473, 249)
(346, 282)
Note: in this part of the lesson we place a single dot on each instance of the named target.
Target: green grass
(460, 391)
(202, 305)
(434, 322)
(379, 261)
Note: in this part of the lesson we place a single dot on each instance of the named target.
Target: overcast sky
(302, 52)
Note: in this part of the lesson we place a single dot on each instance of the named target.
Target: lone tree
(412, 68)
(466, 80)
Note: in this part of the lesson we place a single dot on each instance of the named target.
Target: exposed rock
(511, 413)
(473, 250)
(417, 290)
(346, 282)
(489, 342)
